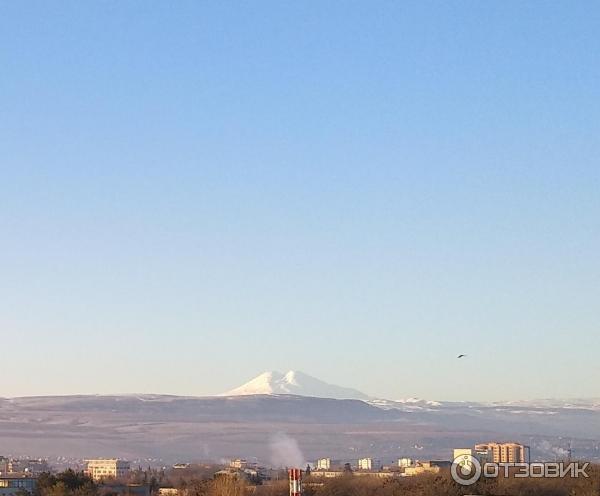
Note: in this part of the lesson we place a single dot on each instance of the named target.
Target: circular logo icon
(465, 469)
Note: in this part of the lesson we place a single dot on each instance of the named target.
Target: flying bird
(461, 355)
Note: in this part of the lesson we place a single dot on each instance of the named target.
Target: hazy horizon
(194, 193)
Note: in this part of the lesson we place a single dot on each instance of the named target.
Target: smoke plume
(556, 451)
(285, 452)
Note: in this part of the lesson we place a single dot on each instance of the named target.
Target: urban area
(238, 477)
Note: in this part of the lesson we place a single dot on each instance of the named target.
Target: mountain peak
(294, 382)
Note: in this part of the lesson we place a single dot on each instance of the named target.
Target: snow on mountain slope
(407, 405)
(297, 383)
(300, 384)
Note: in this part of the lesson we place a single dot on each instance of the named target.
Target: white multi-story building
(405, 462)
(107, 468)
(368, 464)
(324, 464)
(238, 463)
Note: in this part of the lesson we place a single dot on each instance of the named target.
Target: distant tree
(74, 480)
(228, 486)
(198, 487)
(67, 483)
(307, 471)
(58, 489)
(154, 485)
(347, 468)
(44, 482)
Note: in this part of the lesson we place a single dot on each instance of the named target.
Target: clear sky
(194, 192)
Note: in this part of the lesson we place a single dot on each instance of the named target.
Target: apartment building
(368, 464)
(504, 452)
(107, 468)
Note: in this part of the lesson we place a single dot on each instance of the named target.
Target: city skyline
(194, 193)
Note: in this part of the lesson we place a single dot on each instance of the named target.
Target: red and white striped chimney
(295, 475)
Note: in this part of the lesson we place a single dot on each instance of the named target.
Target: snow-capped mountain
(300, 384)
(294, 382)
(244, 420)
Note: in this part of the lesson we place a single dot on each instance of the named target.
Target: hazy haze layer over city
(193, 193)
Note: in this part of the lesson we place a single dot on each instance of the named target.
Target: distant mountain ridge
(296, 383)
(324, 419)
(172, 427)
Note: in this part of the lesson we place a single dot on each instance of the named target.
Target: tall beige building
(107, 468)
(505, 452)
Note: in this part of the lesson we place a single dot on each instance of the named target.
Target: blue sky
(194, 192)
